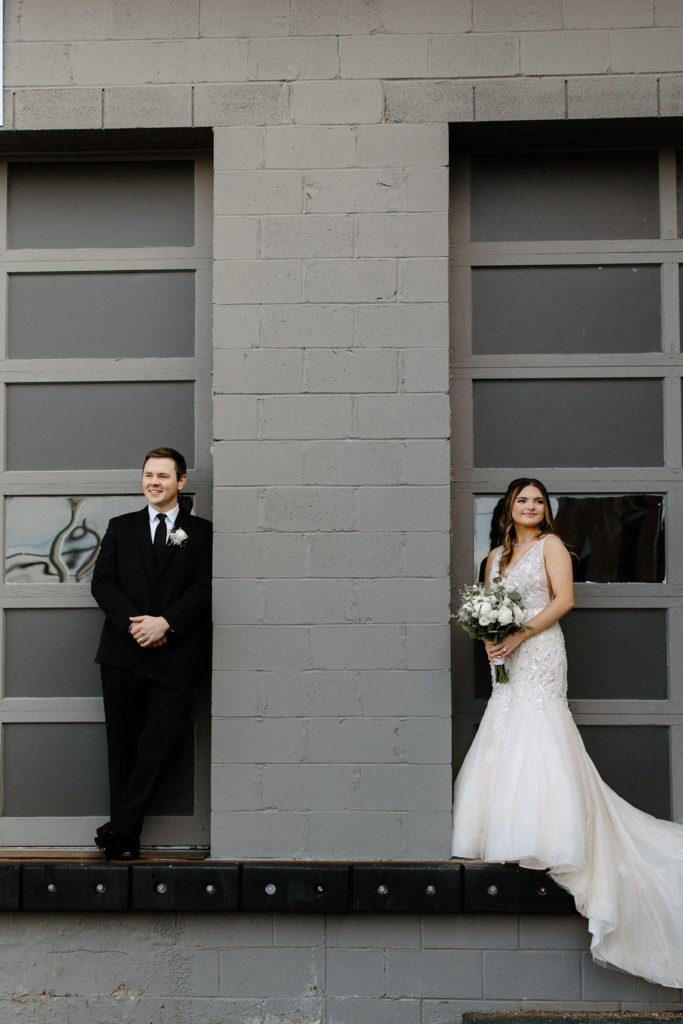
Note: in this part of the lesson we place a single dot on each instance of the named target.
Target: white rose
(485, 609)
(505, 616)
(518, 615)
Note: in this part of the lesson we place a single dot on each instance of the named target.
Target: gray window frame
(667, 365)
(61, 831)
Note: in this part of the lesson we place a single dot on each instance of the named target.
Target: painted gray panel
(114, 315)
(536, 196)
(97, 426)
(104, 205)
(49, 652)
(635, 761)
(564, 309)
(55, 769)
(617, 653)
(602, 422)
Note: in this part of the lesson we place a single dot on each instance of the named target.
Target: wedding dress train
(528, 792)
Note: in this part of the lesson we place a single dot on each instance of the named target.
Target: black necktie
(159, 542)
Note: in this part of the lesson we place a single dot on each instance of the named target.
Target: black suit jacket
(125, 583)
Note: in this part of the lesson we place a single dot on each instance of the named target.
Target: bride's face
(528, 508)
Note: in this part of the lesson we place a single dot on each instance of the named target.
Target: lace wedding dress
(529, 793)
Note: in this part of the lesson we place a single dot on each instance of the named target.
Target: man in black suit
(152, 580)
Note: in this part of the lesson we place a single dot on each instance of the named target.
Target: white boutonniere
(177, 537)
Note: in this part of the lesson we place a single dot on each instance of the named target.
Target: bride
(528, 792)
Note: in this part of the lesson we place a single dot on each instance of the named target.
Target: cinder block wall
(332, 698)
(331, 685)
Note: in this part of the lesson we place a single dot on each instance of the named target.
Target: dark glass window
(614, 538)
(91, 204)
(88, 425)
(562, 309)
(101, 315)
(591, 422)
(537, 196)
(635, 760)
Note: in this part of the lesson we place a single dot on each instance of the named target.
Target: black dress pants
(145, 718)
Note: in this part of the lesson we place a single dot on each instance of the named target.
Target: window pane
(614, 538)
(55, 769)
(565, 196)
(566, 309)
(568, 423)
(61, 664)
(59, 769)
(104, 205)
(612, 654)
(617, 653)
(55, 540)
(112, 315)
(635, 761)
(96, 426)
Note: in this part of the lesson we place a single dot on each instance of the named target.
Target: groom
(152, 580)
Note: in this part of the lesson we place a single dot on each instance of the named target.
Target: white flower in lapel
(177, 537)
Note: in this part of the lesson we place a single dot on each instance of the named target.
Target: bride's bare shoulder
(555, 548)
(490, 559)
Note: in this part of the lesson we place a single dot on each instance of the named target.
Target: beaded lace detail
(538, 668)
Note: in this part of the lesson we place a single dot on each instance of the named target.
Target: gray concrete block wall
(331, 503)
(302, 969)
(336, 421)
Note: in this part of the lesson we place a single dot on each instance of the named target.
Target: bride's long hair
(506, 526)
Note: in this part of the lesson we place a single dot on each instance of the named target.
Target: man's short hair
(168, 453)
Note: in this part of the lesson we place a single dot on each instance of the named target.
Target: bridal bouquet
(491, 613)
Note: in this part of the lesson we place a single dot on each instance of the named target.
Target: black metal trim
(304, 887)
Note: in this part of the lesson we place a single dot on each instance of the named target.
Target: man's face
(160, 484)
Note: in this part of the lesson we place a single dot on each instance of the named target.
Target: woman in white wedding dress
(528, 792)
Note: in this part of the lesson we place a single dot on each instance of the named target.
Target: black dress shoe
(129, 849)
(116, 846)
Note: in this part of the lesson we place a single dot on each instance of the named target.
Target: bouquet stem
(500, 671)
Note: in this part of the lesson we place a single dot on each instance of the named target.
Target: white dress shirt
(154, 520)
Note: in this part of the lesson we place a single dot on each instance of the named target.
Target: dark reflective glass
(617, 653)
(59, 769)
(635, 760)
(96, 425)
(565, 309)
(54, 769)
(76, 205)
(517, 196)
(68, 636)
(612, 654)
(569, 422)
(107, 314)
(614, 538)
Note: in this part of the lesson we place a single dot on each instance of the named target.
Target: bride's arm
(558, 565)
